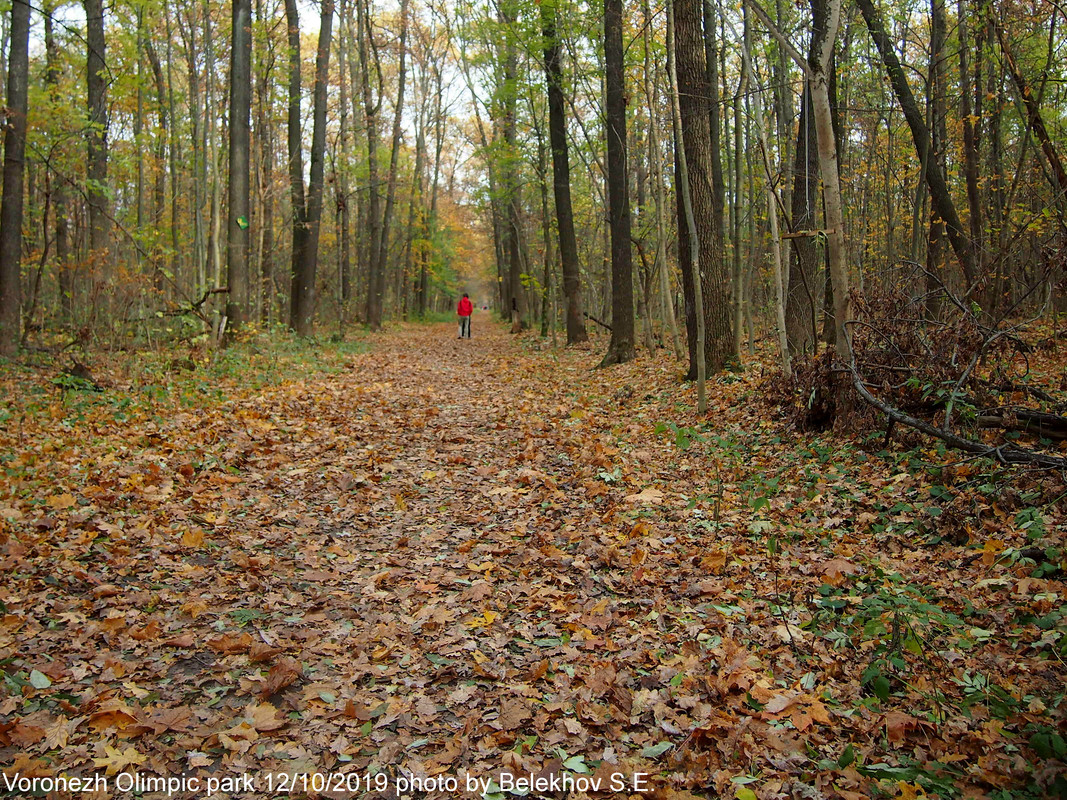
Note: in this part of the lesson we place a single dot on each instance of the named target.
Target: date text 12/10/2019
(281, 783)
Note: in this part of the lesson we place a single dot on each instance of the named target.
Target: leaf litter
(443, 559)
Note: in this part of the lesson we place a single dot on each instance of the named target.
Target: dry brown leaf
(285, 672)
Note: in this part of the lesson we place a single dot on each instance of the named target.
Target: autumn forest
(750, 481)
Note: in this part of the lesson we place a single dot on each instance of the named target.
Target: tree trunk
(561, 179)
(14, 164)
(96, 81)
(344, 266)
(970, 136)
(297, 293)
(658, 192)
(621, 346)
(827, 19)
(691, 244)
(697, 89)
(803, 295)
(935, 179)
(303, 311)
(394, 157)
(64, 267)
(935, 243)
(371, 109)
(238, 307)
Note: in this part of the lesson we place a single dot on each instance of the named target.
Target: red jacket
(465, 309)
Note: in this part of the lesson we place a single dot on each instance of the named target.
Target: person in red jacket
(465, 309)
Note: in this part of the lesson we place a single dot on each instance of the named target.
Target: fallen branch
(589, 316)
(1004, 454)
(1040, 423)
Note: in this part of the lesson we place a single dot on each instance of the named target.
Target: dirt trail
(446, 558)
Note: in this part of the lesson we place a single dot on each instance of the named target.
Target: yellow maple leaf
(115, 760)
(484, 621)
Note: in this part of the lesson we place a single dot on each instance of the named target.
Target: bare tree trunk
(738, 267)
(159, 184)
(658, 193)
(64, 267)
(371, 109)
(267, 290)
(302, 312)
(238, 311)
(970, 136)
(692, 238)
(827, 19)
(697, 88)
(621, 346)
(14, 164)
(344, 266)
(96, 192)
(772, 207)
(561, 179)
(390, 198)
(935, 243)
(803, 296)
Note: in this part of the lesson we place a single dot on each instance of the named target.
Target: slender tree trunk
(970, 137)
(935, 179)
(688, 224)
(1034, 118)
(371, 109)
(772, 206)
(738, 266)
(394, 158)
(173, 148)
(267, 290)
(159, 183)
(14, 164)
(296, 170)
(344, 264)
(621, 346)
(935, 243)
(302, 312)
(64, 268)
(516, 294)
(561, 179)
(827, 20)
(96, 192)
(658, 193)
(802, 299)
(238, 307)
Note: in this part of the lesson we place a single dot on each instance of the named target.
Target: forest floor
(414, 565)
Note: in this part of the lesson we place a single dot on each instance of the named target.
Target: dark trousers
(464, 327)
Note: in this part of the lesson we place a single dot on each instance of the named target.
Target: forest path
(444, 558)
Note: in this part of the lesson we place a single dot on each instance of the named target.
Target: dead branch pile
(931, 363)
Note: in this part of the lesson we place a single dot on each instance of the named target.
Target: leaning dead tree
(954, 377)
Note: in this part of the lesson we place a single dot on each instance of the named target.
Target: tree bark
(827, 18)
(96, 190)
(697, 89)
(688, 224)
(371, 109)
(14, 165)
(394, 157)
(64, 267)
(561, 179)
(302, 312)
(296, 169)
(621, 346)
(239, 238)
